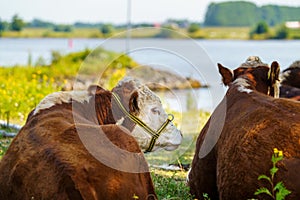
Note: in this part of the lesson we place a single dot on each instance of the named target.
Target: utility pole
(128, 33)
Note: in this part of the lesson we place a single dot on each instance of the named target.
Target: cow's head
(261, 78)
(142, 103)
(291, 75)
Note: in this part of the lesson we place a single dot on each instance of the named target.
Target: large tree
(17, 24)
(242, 13)
(3, 26)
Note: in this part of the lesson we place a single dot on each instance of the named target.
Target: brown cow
(57, 155)
(290, 82)
(51, 162)
(237, 142)
(291, 75)
(97, 106)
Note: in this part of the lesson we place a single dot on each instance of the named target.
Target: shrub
(17, 23)
(193, 28)
(282, 32)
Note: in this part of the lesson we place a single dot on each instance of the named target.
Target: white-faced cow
(61, 151)
(236, 144)
(130, 104)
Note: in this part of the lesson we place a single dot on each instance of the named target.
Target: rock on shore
(157, 79)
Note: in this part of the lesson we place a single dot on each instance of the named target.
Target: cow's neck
(242, 85)
(120, 117)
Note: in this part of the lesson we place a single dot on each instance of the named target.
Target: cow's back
(246, 145)
(253, 127)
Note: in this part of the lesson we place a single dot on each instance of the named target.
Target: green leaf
(282, 191)
(273, 171)
(264, 177)
(263, 191)
(205, 196)
(276, 159)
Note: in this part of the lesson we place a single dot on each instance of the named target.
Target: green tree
(194, 27)
(62, 28)
(282, 32)
(260, 30)
(241, 13)
(3, 26)
(232, 13)
(107, 29)
(261, 27)
(17, 24)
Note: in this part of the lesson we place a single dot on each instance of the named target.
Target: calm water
(188, 58)
(229, 52)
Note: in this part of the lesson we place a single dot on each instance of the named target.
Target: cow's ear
(273, 77)
(227, 74)
(95, 89)
(274, 72)
(128, 93)
(133, 103)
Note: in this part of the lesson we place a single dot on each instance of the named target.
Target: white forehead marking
(62, 97)
(242, 83)
(128, 79)
(253, 61)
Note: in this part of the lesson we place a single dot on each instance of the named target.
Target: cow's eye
(155, 111)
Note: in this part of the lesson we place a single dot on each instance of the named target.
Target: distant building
(293, 24)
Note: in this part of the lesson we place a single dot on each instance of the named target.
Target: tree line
(241, 13)
(106, 29)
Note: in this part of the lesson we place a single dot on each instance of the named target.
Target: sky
(113, 11)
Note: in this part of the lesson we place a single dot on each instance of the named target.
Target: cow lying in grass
(53, 163)
(236, 144)
(61, 152)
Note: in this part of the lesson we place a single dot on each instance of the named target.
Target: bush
(17, 23)
(261, 30)
(193, 28)
(107, 29)
(3, 26)
(63, 28)
(282, 32)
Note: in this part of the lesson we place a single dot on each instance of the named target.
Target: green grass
(23, 87)
(170, 184)
(241, 33)
(4, 144)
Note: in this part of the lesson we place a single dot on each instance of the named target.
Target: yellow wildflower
(135, 197)
(45, 77)
(276, 151)
(280, 153)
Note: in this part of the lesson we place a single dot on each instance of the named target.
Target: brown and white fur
(236, 144)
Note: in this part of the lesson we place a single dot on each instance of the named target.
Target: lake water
(188, 58)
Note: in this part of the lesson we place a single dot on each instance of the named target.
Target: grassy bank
(22, 87)
(241, 33)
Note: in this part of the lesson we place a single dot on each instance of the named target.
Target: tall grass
(23, 87)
